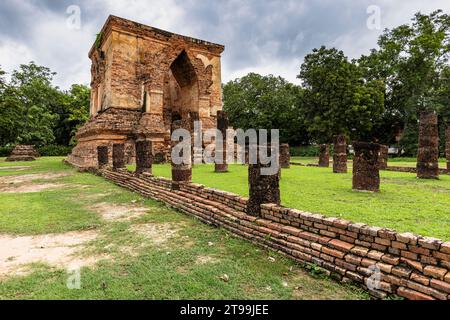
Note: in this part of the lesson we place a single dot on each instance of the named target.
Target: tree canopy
(266, 102)
(337, 100)
(33, 111)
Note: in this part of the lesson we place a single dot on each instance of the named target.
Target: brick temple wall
(410, 266)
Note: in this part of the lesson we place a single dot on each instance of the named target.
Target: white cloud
(269, 37)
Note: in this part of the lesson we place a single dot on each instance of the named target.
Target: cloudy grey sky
(264, 36)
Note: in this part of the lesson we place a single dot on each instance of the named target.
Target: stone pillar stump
(340, 154)
(102, 156)
(428, 151)
(222, 126)
(263, 188)
(366, 172)
(324, 156)
(144, 156)
(181, 172)
(447, 146)
(118, 156)
(285, 156)
(383, 157)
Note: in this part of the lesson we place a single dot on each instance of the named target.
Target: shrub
(54, 151)
(305, 151)
(5, 151)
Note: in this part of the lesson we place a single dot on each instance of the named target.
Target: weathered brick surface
(324, 155)
(23, 153)
(428, 151)
(263, 188)
(144, 156)
(102, 155)
(447, 146)
(366, 172)
(285, 156)
(143, 79)
(292, 233)
(383, 157)
(340, 154)
(222, 126)
(118, 156)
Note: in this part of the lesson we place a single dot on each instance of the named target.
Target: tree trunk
(324, 155)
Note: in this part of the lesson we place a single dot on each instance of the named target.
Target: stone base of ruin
(263, 189)
(383, 157)
(144, 156)
(366, 173)
(340, 154)
(23, 153)
(221, 168)
(285, 156)
(428, 151)
(447, 146)
(324, 156)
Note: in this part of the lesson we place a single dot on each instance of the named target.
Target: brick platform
(23, 153)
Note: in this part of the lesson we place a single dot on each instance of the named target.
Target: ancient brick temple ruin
(23, 153)
(428, 151)
(143, 79)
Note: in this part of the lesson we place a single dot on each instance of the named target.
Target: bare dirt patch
(31, 177)
(17, 168)
(29, 188)
(206, 260)
(119, 212)
(158, 234)
(56, 250)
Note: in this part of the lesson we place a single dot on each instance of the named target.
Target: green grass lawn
(405, 203)
(187, 266)
(400, 162)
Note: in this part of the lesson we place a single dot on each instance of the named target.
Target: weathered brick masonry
(411, 266)
(23, 153)
(102, 154)
(142, 80)
(340, 154)
(383, 157)
(324, 155)
(366, 172)
(222, 126)
(428, 151)
(285, 156)
(447, 146)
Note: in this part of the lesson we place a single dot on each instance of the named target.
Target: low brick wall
(412, 170)
(407, 265)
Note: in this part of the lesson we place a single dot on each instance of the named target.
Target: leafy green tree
(413, 62)
(34, 111)
(79, 97)
(337, 100)
(266, 102)
(34, 94)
